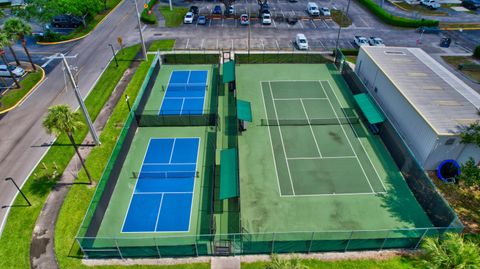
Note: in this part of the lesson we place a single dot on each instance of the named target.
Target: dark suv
(471, 4)
(66, 21)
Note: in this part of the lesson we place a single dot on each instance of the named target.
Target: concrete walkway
(42, 249)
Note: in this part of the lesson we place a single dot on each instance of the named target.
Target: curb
(27, 94)
(85, 35)
(459, 28)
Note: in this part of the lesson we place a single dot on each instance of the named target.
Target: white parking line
(324, 22)
(276, 42)
(274, 24)
(314, 25)
(301, 24)
(320, 41)
(217, 43)
(188, 40)
(232, 45)
(201, 44)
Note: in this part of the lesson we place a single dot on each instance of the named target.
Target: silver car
(16, 70)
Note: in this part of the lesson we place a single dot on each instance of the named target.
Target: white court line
(311, 129)
(368, 156)
(332, 194)
(281, 138)
(297, 99)
(158, 214)
(271, 143)
(168, 163)
(345, 133)
(165, 192)
(171, 152)
(321, 158)
(181, 108)
(183, 98)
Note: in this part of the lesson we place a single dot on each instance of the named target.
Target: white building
(426, 103)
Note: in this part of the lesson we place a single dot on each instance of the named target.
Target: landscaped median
(17, 234)
(81, 32)
(13, 97)
(391, 19)
(173, 17)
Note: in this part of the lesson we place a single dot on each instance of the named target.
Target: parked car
(188, 19)
(264, 8)
(266, 18)
(16, 70)
(361, 41)
(312, 9)
(194, 10)
(471, 4)
(433, 4)
(301, 42)
(244, 19)
(66, 21)
(292, 19)
(217, 10)
(230, 10)
(376, 42)
(325, 11)
(202, 20)
(428, 30)
(292, 1)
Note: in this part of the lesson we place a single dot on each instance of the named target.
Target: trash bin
(445, 42)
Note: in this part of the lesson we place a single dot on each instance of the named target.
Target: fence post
(196, 248)
(348, 242)
(156, 246)
(273, 243)
(311, 243)
(118, 248)
(385, 240)
(421, 238)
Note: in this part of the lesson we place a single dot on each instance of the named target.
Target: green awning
(228, 174)
(369, 108)
(228, 71)
(244, 110)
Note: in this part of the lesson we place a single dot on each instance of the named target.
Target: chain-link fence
(278, 56)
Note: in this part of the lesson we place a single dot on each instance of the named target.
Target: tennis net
(165, 174)
(186, 87)
(323, 121)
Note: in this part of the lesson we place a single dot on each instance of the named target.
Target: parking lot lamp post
(340, 27)
(144, 50)
(19, 190)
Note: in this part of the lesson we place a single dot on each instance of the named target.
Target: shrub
(146, 17)
(395, 20)
(476, 52)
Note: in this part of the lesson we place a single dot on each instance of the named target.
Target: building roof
(443, 100)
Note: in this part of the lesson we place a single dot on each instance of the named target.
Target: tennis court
(314, 141)
(185, 93)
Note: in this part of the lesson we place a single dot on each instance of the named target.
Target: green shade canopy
(369, 108)
(244, 110)
(228, 71)
(228, 174)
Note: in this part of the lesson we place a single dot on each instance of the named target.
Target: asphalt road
(23, 141)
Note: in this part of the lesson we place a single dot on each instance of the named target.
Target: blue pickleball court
(163, 194)
(185, 93)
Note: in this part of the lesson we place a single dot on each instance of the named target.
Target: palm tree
(61, 119)
(450, 252)
(4, 41)
(18, 29)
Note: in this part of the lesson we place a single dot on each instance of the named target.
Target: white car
(312, 9)
(376, 42)
(266, 18)
(188, 19)
(325, 11)
(433, 4)
(361, 41)
(301, 42)
(17, 71)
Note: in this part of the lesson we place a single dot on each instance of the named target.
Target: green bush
(149, 18)
(350, 52)
(395, 20)
(476, 52)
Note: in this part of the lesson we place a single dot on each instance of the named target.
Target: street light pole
(19, 190)
(114, 54)
(80, 101)
(340, 27)
(127, 98)
(144, 50)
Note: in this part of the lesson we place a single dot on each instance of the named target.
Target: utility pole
(80, 100)
(340, 27)
(114, 54)
(144, 50)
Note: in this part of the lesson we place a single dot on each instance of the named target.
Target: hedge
(149, 18)
(395, 20)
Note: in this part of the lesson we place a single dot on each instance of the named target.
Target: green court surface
(308, 163)
(158, 92)
(112, 222)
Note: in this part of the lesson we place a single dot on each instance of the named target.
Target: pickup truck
(433, 4)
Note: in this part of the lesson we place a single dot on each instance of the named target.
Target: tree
(470, 173)
(5, 41)
(18, 29)
(450, 252)
(471, 134)
(277, 263)
(61, 119)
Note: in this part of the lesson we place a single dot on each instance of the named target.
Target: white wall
(418, 135)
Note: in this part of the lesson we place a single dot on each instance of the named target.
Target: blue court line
(171, 199)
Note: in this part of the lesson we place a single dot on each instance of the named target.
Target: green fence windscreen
(228, 174)
(244, 110)
(369, 109)
(228, 71)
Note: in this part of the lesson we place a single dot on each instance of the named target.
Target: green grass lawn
(163, 45)
(455, 61)
(80, 31)
(14, 95)
(340, 18)
(173, 17)
(16, 237)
